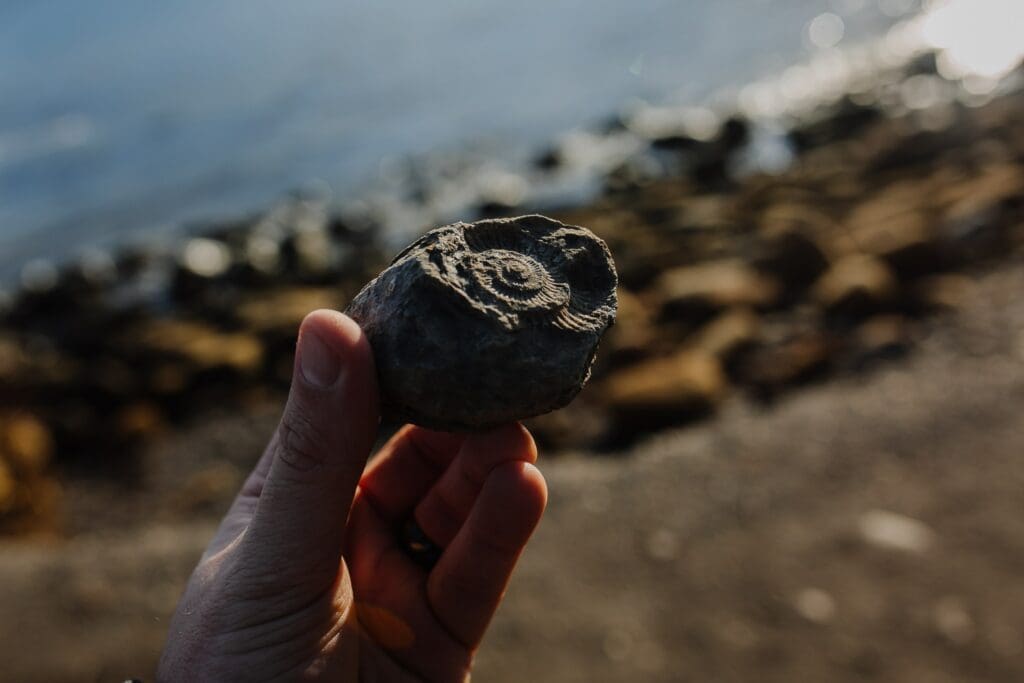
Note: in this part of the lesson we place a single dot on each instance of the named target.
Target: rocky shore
(733, 281)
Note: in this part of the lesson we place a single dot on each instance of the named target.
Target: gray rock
(478, 324)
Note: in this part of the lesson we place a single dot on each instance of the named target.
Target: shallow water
(121, 119)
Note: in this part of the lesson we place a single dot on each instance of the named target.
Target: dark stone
(847, 119)
(476, 325)
(734, 134)
(792, 258)
(549, 159)
(675, 142)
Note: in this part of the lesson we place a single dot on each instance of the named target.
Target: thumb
(318, 454)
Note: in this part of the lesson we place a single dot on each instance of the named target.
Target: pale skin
(305, 578)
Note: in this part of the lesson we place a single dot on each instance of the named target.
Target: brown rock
(710, 286)
(894, 226)
(793, 361)
(791, 257)
(729, 333)
(794, 215)
(581, 424)
(665, 390)
(204, 346)
(633, 337)
(993, 184)
(27, 443)
(855, 285)
(282, 311)
(8, 488)
(883, 336)
(139, 420)
(942, 292)
(980, 213)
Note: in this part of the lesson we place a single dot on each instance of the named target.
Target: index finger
(405, 469)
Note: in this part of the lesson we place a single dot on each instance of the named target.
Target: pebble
(714, 285)
(8, 487)
(815, 605)
(666, 390)
(953, 620)
(662, 545)
(893, 531)
(26, 442)
(203, 346)
(855, 285)
(206, 257)
(733, 331)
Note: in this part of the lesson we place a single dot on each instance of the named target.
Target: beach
(797, 458)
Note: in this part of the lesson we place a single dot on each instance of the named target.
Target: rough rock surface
(475, 325)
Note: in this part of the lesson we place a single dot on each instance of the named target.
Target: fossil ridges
(478, 324)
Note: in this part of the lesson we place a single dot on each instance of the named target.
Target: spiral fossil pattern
(524, 271)
(476, 324)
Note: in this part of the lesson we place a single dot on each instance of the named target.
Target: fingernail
(320, 365)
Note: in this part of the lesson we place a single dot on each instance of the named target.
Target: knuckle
(301, 443)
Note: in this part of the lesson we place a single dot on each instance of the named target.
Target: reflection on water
(117, 120)
(980, 41)
(118, 117)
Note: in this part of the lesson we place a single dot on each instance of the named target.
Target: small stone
(945, 292)
(715, 285)
(792, 258)
(662, 545)
(792, 361)
(883, 336)
(282, 311)
(665, 390)
(729, 333)
(633, 335)
(953, 620)
(479, 324)
(139, 420)
(895, 531)
(855, 285)
(205, 257)
(26, 442)
(815, 605)
(205, 347)
(8, 487)
(894, 227)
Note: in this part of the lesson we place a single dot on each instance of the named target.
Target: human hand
(306, 578)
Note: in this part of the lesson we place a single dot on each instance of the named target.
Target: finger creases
(406, 468)
(447, 505)
(466, 586)
(318, 454)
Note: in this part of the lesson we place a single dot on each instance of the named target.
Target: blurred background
(799, 455)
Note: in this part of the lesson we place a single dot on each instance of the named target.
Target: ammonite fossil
(478, 324)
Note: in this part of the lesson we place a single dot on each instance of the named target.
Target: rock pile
(827, 267)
